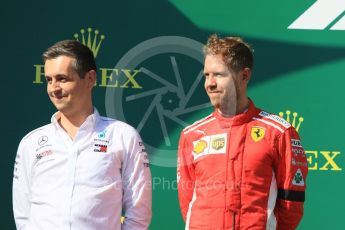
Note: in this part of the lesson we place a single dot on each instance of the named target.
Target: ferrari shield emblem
(257, 133)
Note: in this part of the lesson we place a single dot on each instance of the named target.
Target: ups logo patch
(218, 143)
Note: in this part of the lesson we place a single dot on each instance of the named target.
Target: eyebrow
(58, 75)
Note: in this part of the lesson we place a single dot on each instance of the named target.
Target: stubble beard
(215, 101)
(226, 104)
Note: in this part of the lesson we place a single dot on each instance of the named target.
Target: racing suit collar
(238, 119)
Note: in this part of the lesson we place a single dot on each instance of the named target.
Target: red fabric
(226, 167)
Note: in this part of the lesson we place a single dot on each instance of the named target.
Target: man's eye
(62, 79)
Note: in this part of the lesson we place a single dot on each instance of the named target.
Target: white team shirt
(85, 183)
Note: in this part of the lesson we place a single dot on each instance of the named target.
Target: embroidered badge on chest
(257, 133)
(208, 145)
(101, 143)
(218, 143)
(200, 146)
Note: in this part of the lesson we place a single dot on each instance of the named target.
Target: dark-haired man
(81, 171)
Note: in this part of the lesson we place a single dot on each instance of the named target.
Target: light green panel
(266, 19)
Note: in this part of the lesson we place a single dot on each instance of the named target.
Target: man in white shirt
(81, 171)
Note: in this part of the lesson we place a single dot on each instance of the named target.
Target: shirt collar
(90, 121)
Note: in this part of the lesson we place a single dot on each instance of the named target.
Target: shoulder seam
(34, 131)
(277, 120)
(197, 122)
(269, 123)
(107, 119)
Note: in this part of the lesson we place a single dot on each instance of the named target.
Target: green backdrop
(149, 75)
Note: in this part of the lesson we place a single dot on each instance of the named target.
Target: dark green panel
(298, 70)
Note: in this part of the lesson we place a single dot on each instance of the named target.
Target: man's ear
(91, 78)
(246, 74)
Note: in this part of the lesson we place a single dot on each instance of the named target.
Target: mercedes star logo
(42, 140)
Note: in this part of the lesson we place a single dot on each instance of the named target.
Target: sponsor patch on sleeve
(298, 178)
(298, 152)
(275, 118)
(296, 143)
(297, 162)
(15, 169)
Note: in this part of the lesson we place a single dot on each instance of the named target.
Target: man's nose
(211, 81)
(55, 84)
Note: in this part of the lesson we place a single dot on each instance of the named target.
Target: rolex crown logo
(93, 42)
(294, 119)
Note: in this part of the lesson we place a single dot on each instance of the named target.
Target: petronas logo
(91, 39)
(295, 121)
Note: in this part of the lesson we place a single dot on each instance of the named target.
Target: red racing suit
(244, 172)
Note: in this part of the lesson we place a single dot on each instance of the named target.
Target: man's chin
(215, 104)
(59, 107)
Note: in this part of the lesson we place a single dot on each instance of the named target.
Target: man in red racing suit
(245, 170)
